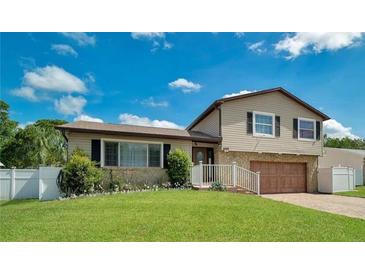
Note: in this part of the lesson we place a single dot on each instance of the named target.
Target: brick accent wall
(243, 159)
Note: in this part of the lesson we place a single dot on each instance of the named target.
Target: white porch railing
(203, 175)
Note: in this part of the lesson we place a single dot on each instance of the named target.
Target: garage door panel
(279, 177)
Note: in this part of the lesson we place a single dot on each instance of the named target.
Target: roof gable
(218, 102)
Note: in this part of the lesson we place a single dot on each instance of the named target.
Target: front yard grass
(172, 216)
(358, 192)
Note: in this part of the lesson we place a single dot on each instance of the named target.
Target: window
(111, 154)
(132, 154)
(306, 129)
(263, 124)
(154, 155)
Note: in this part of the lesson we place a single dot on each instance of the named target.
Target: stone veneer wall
(243, 159)
(140, 176)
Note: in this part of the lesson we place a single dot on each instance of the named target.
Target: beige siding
(234, 121)
(83, 141)
(210, 124)
(333, 157)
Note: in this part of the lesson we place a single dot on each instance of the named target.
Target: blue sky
(167, 79)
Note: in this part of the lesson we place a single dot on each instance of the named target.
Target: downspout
(63, 132)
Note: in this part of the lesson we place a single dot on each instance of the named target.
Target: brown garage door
(281, 177)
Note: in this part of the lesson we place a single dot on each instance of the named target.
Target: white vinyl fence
(336, 179)
(203, 175)
(29, 183)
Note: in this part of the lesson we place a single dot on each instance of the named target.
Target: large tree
(8, 127)
(35, 145)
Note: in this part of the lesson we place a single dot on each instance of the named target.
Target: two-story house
(271, 131)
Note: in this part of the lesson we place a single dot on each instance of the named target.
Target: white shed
(338, 157)
(336, 179)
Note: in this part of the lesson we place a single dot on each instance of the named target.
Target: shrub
(217, 186)
(179, 164)
(80, 175)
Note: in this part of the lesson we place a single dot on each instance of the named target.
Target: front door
(199, 154)
(203, 154)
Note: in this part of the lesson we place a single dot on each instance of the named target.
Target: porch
(233, 177)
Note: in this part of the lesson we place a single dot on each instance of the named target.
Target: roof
(142, 131)
(218, 102)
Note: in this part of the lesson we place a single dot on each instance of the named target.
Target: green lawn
(172, 216)
(359, 192)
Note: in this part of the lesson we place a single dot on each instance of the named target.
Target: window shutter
(249, 122)
(277, 126)
(295, 128)
(95, 151)
(166, 150)
(318, 130)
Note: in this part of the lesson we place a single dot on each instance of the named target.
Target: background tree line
(41, 144)
(34, 145)
(345, 142)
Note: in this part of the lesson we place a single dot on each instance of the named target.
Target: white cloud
(257, 47)
(185, 85)
(130, 119)
(90, 77)
(239, 34)
(335, 129)
(152, 103)
(147, 35)
(238, 93)
(304, 42)
(158, 39)
(70, 105)
(55, 79)
(167, 45)
(26, 93)
(82, 38)
(63, 49)
(84, 117)
(23, 125)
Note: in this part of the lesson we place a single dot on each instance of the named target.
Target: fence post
(234, 174)
(40, 183)
(12, 183)
(201, 173)
(258, 182)
(348, 178)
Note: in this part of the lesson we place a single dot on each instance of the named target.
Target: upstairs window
(263, 124)
(306, 129)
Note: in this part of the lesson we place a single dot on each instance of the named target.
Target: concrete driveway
(348, 206)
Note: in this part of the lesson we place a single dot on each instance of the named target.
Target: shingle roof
(131, 130)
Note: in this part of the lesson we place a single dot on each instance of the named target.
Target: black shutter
(277, 126)
(318, 130)
(166, 150)
(249, 122)
(95, 151)
(295, 128)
